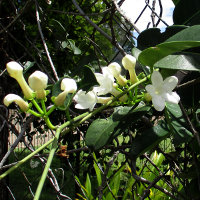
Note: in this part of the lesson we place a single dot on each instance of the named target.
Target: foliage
(124, 148)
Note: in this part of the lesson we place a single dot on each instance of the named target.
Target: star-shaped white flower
(106, 81)
(85, 100)
(161, 91)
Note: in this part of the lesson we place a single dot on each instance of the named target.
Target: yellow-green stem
(25, 159)
(37, 106)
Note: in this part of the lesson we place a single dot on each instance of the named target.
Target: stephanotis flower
(38, 82)
(107, 82)
(10, 98)
(15, 70)
(68, 85)
(85, 100)
(161, 91)
(129, 63)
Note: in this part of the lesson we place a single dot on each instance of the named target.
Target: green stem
(25, 159)
(48, 164)
(51, 110)
(37, 106)
(48, 123)
(82, 118)
(34, 113)
(43, 106)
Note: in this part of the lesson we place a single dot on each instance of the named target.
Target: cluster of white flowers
(159, 91)
(107, 84)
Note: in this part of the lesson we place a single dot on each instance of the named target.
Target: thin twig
(43, 41)
(125, 16)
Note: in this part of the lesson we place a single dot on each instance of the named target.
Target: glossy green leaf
(102, 131)
(177, 124)
(153, 54)
(149, 139)
(185, 39)
(187, 12)
(88, 79)
(88, 187)
(187, 61)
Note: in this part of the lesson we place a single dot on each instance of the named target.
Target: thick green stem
(49, 124)
(34, 113)
(25, 159)
(51, 110)
(43, 106)
(37, 106)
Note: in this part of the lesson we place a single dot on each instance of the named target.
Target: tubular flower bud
(129, 62)
(115, 69)
(68, 85)
(10, 98)
(16, 71)
(38, 82)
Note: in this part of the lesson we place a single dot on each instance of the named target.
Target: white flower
(68, 85)
(38, 82)
(10, 98)
(161, 91)
(106, 82)
(15, 70)
(85, 100)
(115, 69)
(129, 63)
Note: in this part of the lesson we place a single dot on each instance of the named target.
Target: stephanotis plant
(114, 89)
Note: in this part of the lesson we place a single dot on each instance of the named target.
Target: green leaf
(177, 124)
(175, 2)
(88, 187)
(73, 47)
(149, 139)
(185, 39)
(187, 12)
(186, 61)
(88, 79)
(154, 36)
(102, 131)
(153, 54)
(27, 66)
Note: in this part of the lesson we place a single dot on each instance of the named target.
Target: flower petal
(158, 102)
(156, 79)
(69, 85)
(170, 83)
(38, 80)
(151, 90)
(172, 97)
(85, 100)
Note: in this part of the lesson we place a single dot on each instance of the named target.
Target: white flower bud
(129, 63)
(115, 69)
(38, 82)
(10, 98)
(69, 86)
(15, 70)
